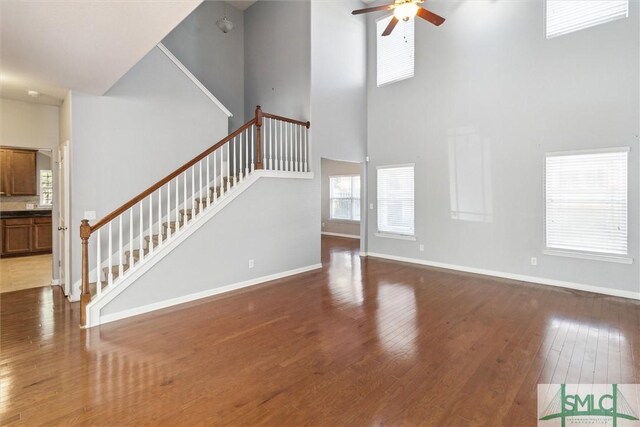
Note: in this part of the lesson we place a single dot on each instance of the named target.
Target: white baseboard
(348, 236)
(198, 295)
(512, 276)
(55, 282)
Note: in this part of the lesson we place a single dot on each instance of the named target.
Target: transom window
(395, 52)
(567, 16)
(46, 187)
(344, 197)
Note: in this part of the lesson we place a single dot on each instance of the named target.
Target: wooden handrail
(113, 215)
(286, 119)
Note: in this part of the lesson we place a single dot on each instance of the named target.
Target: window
(395, 51)
(567, 16)
(396, 200)
(344, 197)
(46, 187)
(586, 201)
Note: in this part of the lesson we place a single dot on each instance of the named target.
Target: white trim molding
(348, 236)
(585, 255)
(204, 294)
(512, 276)
(193, 78)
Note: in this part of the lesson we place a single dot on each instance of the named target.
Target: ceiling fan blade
(373, 9)
(430, 16)
(390, 27)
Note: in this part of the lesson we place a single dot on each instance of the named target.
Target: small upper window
(567, 16)
(395, 52)
(46, 187)
(344, 197)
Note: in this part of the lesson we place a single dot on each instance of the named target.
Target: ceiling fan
(403, 10)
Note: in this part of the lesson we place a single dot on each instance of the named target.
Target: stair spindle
(193, 192)
(215, 179)
(296, 165)
(131, 237)
(235, 161)
(228, 165)
(120, 246)
(177, 216)
(184, 203)
(208, 184)
(98, 264)
(160, 216)
(168, 210)
(141, 236)
(246, 153)
(109, 252)
(151, 224)
(306, 149)
(281, 145)
(240, 163)
(200, 205)
(253, 138)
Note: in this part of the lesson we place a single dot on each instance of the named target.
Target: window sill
(346, 221)
(396, 236)
(620, 259)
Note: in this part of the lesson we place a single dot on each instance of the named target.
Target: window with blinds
(396, 200)
(567, 16)
(395, 52)
(344, 197)
(586, 201)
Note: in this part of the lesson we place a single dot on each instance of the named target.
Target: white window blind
(567, 16)
(395, 51)
(396, 200)
(344, 197)
(586, 201)
(46, 187)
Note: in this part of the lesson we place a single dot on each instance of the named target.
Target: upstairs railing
(124, 238)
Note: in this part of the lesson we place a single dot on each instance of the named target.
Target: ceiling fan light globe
(224, 24)
(405, 11)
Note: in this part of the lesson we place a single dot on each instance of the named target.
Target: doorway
(26, 224)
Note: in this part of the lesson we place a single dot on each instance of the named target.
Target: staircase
(124, 244)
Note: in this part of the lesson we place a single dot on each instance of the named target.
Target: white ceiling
(52, 46)
(241, 4)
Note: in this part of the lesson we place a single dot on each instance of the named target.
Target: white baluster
(263, 142)
(275, 144)
(200, 206)
(228, 163)
(98, 264)
(253, 150)
(307, 159)
(141, 236)
(291, 136)
(241, 171)
(184, 203)
(246, 151)
(270, 143)
(177, 204)
(120, 267)
(160, 216)
(131, 237)
(296, 162)
(208, 190)
(193, 192)
(151, 224)
(168, 209)
(304, 148)
(286, 146)
(281, 150)
(215, 178)
(235, 162)
(109, 254)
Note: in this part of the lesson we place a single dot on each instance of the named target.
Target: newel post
(85, 297)
(258, 137)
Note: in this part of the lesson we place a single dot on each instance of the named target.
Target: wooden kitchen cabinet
(4, 176)
(16, 235)
(26, 236)
(19, 172)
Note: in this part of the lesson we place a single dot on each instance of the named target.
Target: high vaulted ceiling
(53, 46)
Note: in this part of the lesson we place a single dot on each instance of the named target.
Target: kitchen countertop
(30, 213)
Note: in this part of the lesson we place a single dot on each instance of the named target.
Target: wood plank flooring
(360, 342)
(25, 272)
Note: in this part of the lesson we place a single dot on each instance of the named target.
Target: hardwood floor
(360, 342)
(25, 272)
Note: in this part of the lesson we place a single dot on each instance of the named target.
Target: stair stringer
(93, 317)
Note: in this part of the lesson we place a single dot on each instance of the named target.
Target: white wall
(335, 168)
(491, 93)
(276, 236)
(31, 125)
(277, 58)
(215, 58)
(147, 125)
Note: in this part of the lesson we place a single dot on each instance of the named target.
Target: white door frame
(64, 210)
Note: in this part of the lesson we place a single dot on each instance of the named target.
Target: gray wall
(277, 59)
(489, 88)
(215, 58)
(218, 254)
(330, 168)
(148, 124)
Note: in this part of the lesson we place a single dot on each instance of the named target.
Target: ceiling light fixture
(405, 11)
(225, 23)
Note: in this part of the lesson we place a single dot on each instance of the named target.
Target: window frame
(41, 188)
(378, 36)
(351, 199)
(574, 253)
(389, 234)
